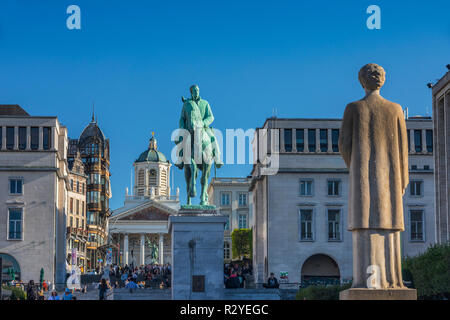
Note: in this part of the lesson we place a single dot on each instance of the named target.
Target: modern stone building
(441, 116)
(300, 212)
(139, 230)
(33, 195)
(232, 199)
(77, 231)
(93, 148)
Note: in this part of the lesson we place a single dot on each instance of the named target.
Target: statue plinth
(378, 294)
(197, 210)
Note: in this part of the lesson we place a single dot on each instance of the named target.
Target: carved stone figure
(374, 145)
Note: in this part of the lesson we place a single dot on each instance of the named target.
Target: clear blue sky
(136, 58)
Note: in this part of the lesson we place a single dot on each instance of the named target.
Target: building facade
(441, 116)
(77, 231)
(300, 212)
(232, 198)
(139, 230)
(33, 197)
(93, 148)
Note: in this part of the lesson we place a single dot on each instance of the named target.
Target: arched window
(141, 177)
(152, 177)
(10, 267)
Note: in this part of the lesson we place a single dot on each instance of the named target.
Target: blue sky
(135, 59)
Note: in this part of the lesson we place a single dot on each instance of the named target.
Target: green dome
(151, 155)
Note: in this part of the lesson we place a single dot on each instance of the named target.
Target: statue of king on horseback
(199, 149)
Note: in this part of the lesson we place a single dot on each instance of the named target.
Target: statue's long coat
(373, 142)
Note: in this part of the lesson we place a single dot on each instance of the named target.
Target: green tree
(242, 243)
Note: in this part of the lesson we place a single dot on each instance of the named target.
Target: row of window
(311, 140)
(334, 228)
(78, 187)
(242, 221)
(77, 207)
(225, 199)
(23, 138)
(418, 141)
(77, 223)
(334, 187)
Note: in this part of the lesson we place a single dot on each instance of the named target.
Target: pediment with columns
(150, 211)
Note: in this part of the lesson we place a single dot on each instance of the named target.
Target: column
(3, 137)
(424, 141)
(41, 138)
(53, 141)
(412, 149)
(142, 262)
(161, 249)
(329, 140)
(16, 138)
(294, 140)
(281, 140)
(305, 140)
(125, 249)
(28, 147)
(317, 140)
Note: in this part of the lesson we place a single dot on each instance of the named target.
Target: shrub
(430, 272)
(321, 292)
(16, 293)
(241, 243)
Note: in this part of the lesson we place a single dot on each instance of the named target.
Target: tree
(242, 243)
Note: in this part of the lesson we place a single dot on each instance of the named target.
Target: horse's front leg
(204, 181)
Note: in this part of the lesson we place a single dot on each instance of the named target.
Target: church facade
(139, 230)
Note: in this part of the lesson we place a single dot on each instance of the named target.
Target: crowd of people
(236, 274)
(140, 277)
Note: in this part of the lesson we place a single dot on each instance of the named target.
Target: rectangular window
(334, 228)
(82, 224)
(306, 216)
(300, 139)
(71, 205)
(78, 223)
(288, 140)
(15, 224)
(306, 187)
(335, 140)
(82, 208)
(418, 140)
(225, 199)
(323, 140)
(9, 138)
(15, 186)
(312, 140)
(242, 199)
(415, 188)
(78, 186)
(429, 136)
(34, 138)
(417, 225)
(78, 207)
(242, 221)
(22, 138)
(71, 222)
(409, 140)
(333, 187)
(47, 136)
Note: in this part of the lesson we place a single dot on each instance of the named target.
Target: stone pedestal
(197, 254)
(378, 294)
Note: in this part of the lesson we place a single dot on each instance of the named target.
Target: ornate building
(139, 229)
(93, 148)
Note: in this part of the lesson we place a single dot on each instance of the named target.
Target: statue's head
(372, 76)
(195, 92)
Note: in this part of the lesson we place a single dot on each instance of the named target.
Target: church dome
(152, 154)
(91, 134)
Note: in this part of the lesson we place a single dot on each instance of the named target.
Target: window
(409, 140)
(243, 221)
(1, 137)
(82, 224)
(227, 223)
(333, 187)
(300, 139)
(82, 188)
(426, 167)
(306, 216)
(429, 137)
(226, 250)
(82, 208)
(335, 140)
(71, 221)
(242, 199)
(418, 140)
(78, 186)
(417, 225)
(225, 199)
(78, 223)
(141, 174)
(306, 187)
(78, 206)
(323, 140)
(34, 138)
(415, 189)
(15, 186)
(9, 138)
(288, 140)
(71, 184)
(15, 224)
(334, 231)
(312, 140)
(414, 167)
(22, 138)
(47, 135)
(71, 205)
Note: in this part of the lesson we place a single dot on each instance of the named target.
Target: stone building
(232, 199)
(139, 230)
(33, 197)
(441, 116)
(77, 231)
(300, 212)
(93, 149)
